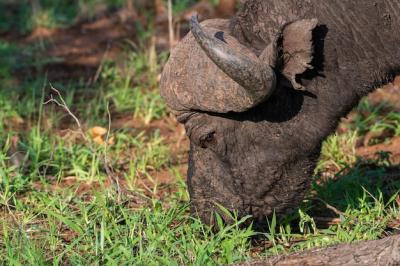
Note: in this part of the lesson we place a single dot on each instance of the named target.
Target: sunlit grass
(45, 221)
(376, 118)
(338, 151)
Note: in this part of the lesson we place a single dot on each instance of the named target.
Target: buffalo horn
(257, 78)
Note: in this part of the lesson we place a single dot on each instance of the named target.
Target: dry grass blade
(170, 26)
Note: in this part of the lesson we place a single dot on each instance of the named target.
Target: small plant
(376, 118)
(338, 151)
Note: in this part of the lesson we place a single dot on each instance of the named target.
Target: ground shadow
(368, 179)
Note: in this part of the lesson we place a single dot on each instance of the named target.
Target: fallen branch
(378, 252)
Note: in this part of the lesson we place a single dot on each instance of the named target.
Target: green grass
(58, 205)
(24, 16)
(45, 222)
(338, 152)
(139, 96)
(55, 225)
(107, 233)
(376, 118)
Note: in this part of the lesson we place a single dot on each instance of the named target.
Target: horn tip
(194, 21)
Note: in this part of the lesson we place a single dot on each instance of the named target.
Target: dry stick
(330, 207)
(10, 212)
(100, 68)
(66, 108)
(109, 171)
(7, 205)
(327, 220)
(63, 105)
(170, 26)
(129, 5)
(178, 30)
(52, 151)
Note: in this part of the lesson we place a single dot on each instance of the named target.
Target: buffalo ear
(298, 49)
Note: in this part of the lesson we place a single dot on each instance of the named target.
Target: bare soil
(79, 50)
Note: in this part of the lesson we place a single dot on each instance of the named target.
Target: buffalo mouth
(273, 189)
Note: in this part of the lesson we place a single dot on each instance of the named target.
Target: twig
(8, 208)
(170, 26)
(327, 220)
(109, 171)
(64, 105)
(100, 68)
(330, 207)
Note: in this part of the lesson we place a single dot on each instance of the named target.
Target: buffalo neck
(356, 51)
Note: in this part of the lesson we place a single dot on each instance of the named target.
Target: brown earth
(389, 93)
(79, 50)
(373, 152)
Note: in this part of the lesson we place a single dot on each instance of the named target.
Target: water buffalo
(260, 92)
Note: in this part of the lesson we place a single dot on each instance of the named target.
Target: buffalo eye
(207, 139)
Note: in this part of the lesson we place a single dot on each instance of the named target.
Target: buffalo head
(232, 99)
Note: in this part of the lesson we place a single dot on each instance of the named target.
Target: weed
(338, 151)
(376, 118)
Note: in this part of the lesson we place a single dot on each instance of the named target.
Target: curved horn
(258, 79)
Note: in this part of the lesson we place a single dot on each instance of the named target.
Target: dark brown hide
(259, 159)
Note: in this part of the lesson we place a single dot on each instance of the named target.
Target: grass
(338, 152)
(24, 16)
(59, 206)
(376, 118)
(141, 96)
(101, 231)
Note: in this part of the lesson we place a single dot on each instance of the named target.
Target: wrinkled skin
(257, 157)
